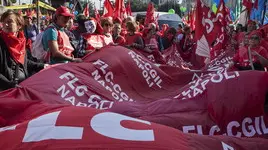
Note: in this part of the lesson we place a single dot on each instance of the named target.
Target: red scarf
(16, 45)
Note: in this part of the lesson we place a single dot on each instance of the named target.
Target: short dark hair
(19, 18)
(81, 19)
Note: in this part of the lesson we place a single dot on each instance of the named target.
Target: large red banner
(211, 102)
(35, 125)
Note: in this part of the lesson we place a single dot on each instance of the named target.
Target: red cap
(251, 21)
(256, 32)
(64, 11)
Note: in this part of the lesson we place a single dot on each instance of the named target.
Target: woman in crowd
(164, 29)
(30, 30)
(107, 26)
(151, 39)
(168, 38)
(133, 39)
(117, 38)
(15, 67)
(254, 53)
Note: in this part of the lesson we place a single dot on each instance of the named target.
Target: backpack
(38, 50)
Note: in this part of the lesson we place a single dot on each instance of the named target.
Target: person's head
(131, 27)
(165, 27)
(117, 29)
(62, 16)
(171, 33)
(150, 29)
(107, 25)
(254, 39)
(180, 27)
(193, 34)
(239, 28)
(70, 24)
(28, 20)
(252, 25)
(34, 20)
(187, 30)
(12, 21)
(90, 26)
(80, 20)
(130, 19)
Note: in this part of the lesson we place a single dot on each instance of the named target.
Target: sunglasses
(254, 38)
(108, 25)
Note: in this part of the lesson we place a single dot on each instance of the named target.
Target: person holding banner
(107, 26)
(117, 38)
(133, 38)
(15, 66)
(55, 40)
(252, 57)
(151, 39)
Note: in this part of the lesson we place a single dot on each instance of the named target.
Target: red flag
(223, 19)
(120, 9)
(86, 10)
(256, 4)
(223, 14)
(108, 9)
(203, 28)
(192, 20)
(128, 9)
(248, 4)
(150, 14)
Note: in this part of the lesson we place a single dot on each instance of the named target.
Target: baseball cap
(64, 11)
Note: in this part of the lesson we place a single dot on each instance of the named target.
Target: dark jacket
(12, 73)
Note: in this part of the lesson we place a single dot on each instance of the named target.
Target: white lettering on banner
(149, 74)
(226, 147)
(107, 81)
(102, 123)
(94, 101)
(107, 124)
(43, 128)
(199, 85)
(225, 61)
(247, 128)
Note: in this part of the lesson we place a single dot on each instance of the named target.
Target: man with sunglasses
(253, 56)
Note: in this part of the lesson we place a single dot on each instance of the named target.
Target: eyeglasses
(254, 38)
(108, 25)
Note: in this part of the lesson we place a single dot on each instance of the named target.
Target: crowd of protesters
(66, 39)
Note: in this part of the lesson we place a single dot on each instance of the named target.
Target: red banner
(211, 102)
(33, 125)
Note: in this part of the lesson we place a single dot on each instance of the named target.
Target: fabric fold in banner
(209, 102)
(68, 127)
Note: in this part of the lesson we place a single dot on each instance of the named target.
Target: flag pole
(264, 12)
(250, 58)
(37, 15)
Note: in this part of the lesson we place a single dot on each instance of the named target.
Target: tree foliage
(171, 4)
(91, 8)
(138, 5)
